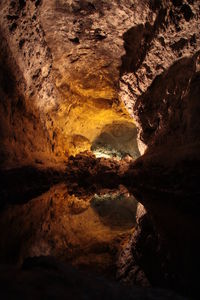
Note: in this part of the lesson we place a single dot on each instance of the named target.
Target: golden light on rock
(91, 103)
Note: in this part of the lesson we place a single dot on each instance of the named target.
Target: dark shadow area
(137, 41)
(175, 174)
(166, 182)
(58, 280)
(19, 185)
(180, 125)
(167, 248)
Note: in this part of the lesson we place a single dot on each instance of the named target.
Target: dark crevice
(137, 42)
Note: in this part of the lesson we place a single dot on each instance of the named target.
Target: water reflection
(118, 211)
(87, 230)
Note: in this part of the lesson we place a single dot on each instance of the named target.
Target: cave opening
(118, 140)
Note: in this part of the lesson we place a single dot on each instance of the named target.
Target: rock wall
(75, 73)
(68, 74)
(159, 70)
(26, 62)
(23, 138)
(160, 87)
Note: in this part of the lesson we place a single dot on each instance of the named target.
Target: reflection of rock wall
(159, 85)
(144, 261)
(67, 227)
(45, 272)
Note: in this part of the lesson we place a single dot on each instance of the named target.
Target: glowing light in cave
(116, 140)
(100, 154)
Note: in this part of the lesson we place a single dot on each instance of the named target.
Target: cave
(100, 149)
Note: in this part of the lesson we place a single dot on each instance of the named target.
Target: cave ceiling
(71, 68)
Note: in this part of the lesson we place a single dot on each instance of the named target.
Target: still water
(87, 231)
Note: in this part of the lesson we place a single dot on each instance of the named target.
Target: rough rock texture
(65, 75)
(89, 171)
(160, 67)
(24, 139)
(69, 68)
(160, 81)
(63, 81)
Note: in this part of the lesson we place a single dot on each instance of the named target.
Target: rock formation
(117, 77)
(61, 77)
